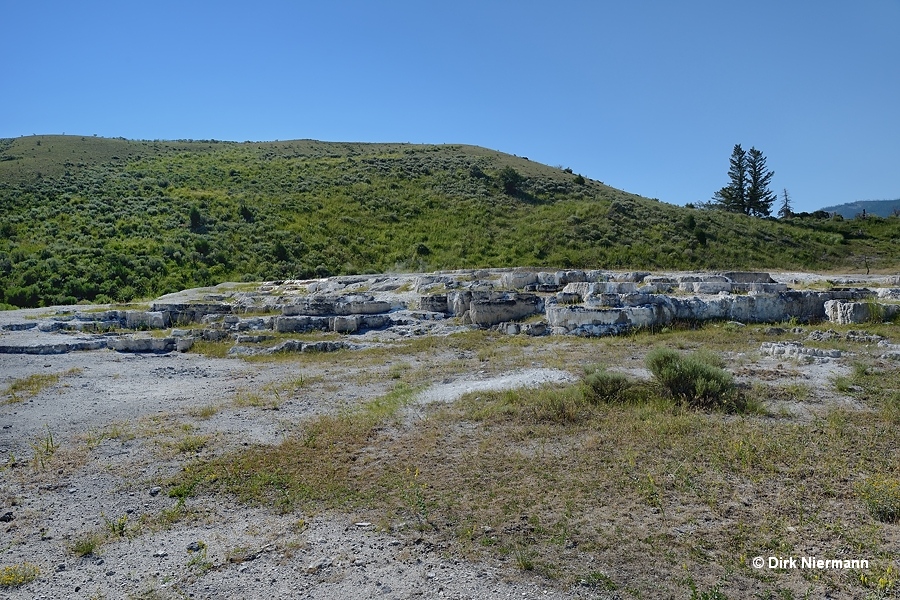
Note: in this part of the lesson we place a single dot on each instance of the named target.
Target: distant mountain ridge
(880, 208)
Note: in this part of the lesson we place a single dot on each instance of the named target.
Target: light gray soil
(117, 419)
(130, 409)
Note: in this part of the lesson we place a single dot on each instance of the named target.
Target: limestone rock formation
(573, 302)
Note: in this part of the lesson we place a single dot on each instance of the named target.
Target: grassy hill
(84, 218)
(880, 208)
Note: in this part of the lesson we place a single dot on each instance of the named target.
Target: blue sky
(647, 96)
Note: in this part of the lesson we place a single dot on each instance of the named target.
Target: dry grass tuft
(22, 389)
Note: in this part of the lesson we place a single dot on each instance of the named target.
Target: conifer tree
(748, 191)
(759, 197)
(733, 197)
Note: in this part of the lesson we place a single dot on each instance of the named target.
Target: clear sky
(645, 95)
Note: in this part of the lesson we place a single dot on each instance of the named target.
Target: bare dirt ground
(116, 421)
(90, 454)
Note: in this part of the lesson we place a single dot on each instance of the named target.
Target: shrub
(86, 545)
(603, 386)
(696, 379)
(510, 180)
(16, 575)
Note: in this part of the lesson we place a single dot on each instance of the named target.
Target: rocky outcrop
(798, 351)
(483, 308)
(337, 306)
(498, 308)
(52, 348)
(848, 313)
(572, 302)
(142, 344)
(599, 316)
(185, 313)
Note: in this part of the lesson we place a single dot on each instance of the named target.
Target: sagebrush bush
(696, 379)
(603, 386)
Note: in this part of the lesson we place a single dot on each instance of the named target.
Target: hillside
(880, 208)
(85, 218)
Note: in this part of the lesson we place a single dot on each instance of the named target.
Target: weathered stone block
(633, 276)
(458, 302)
(705, 287)
(139, 319)
(506, 307)
(517, 280)
(346, 324)
(566, 277)
(132, 344)
(748, 277)
(291, 324)
(844, 313)
(435, 303)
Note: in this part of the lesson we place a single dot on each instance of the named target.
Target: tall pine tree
(733, 197)
(759, 197)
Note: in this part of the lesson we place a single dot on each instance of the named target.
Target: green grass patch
(308, 469)
(191, 444)
(881, 495)
(606, 386)
(204, 412)
(86, 544)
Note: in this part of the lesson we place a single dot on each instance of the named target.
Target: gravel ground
(114, 419)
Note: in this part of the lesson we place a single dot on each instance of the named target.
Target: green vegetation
(116, 527)
(108, 220)
(748, 190)
(44, 448)
(541, 476)
(697, 379)
(605, 386)
(882, 497)
(86, 544)
(304, 470)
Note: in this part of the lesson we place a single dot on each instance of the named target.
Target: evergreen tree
(733, 197)
(759, 197)
(785, 211)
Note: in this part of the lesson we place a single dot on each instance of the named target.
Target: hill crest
(880, 208)
(101, 219)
